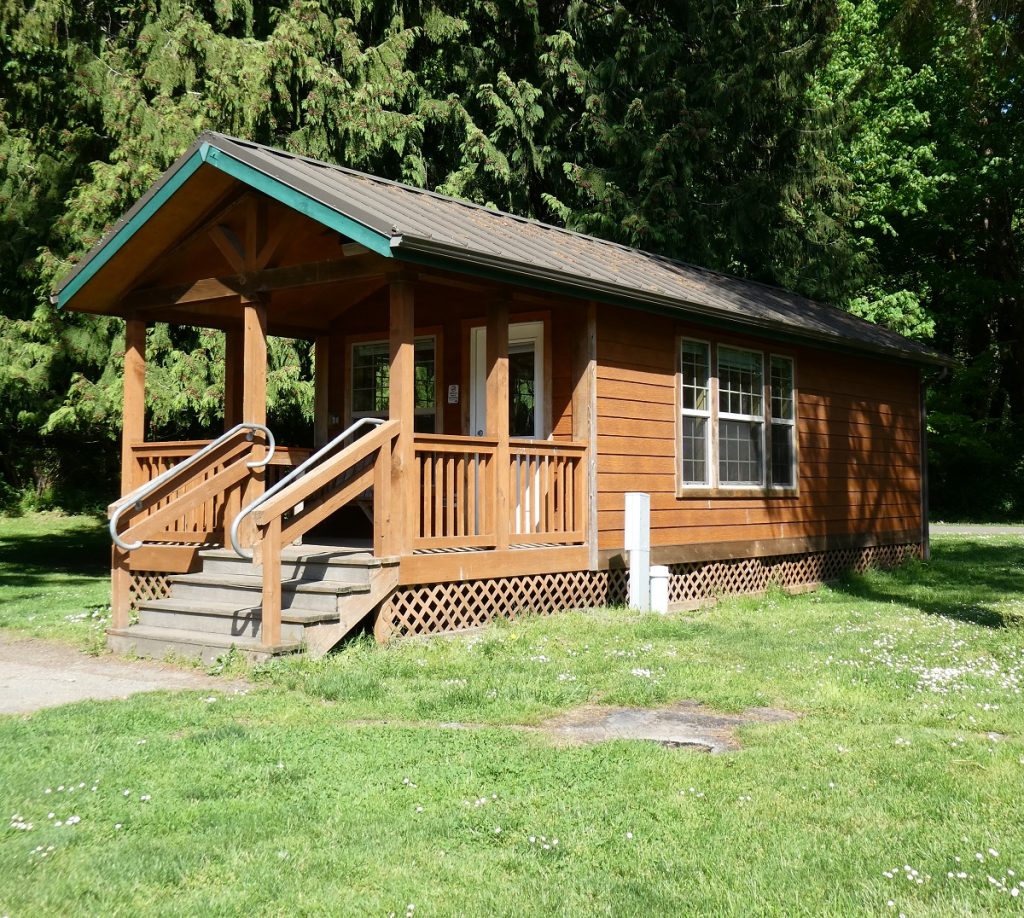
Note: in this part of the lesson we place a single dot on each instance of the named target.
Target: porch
(250, 533)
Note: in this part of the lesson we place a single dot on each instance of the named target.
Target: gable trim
(130, 227)
(245, 174)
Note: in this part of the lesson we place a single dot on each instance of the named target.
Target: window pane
(370, 378)
(782, 455)
(426, 379)
(782, 388)
(371, 368)
(740, 382)
(522, 394)
(740, 458)
(695, 450)
(695, 376)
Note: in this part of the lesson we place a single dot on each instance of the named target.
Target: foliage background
(866, 153)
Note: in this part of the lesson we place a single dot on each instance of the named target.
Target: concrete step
(227, 618)
(247, 590)
(159, 643)
(298, 562)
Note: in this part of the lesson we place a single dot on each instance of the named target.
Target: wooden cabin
(488, 389)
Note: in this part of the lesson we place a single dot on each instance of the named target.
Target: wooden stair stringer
(320, 639)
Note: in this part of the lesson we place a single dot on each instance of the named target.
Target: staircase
(326, 591)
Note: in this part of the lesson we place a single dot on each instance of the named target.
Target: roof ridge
(463, 202)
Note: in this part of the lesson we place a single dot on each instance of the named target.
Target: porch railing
(458, 476)
(547, 493)
(201, 517)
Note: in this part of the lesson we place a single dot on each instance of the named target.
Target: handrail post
(381, 500)
(271, 560)
(120, 589)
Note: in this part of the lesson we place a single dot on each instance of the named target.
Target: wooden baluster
(472, 483)
(424, 480)
(449, 508)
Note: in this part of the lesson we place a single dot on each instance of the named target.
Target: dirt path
(38, 674)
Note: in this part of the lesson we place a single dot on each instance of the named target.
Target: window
(740, 417)
(696, 408)
(371, 369)
(737, 428)
(783, 423)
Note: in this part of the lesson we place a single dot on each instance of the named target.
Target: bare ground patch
(38, 674)
(683, 725)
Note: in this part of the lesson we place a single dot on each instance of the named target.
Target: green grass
(55, 577)
(302, 795)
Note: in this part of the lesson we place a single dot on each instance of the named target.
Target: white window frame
(419, 340)
(714, 486)
(710, 435)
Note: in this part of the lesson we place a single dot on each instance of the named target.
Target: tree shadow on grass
(964, 580)
(81, 552)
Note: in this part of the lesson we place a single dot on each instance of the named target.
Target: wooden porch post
(497, 412)
(321, 390)
(133, 431)
(254, 381)
(337, 420)
(584, 423)
(400, 516)
(234, 361)
(133, 427)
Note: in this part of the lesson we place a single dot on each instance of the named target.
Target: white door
(525, 408)
(526, 380)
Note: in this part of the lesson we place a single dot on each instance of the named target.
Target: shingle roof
(423, 225)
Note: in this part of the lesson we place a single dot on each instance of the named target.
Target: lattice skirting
(145, 586)
(438, 607)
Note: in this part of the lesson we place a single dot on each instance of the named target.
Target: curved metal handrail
(136, 496)
(294, 474)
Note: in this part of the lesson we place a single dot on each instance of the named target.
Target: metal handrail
(294, 474)
(136, 497)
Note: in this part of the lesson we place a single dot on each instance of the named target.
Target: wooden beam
(399, 517)
(479, 565)
(230, 247)
(497, 411)
(275, 236)
(266, 281)
(133, 423)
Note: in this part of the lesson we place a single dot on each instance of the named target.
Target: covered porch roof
(150, 259)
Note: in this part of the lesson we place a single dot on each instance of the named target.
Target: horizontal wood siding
(858, 437)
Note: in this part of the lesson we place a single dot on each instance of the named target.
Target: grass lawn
(55, 577)
(337, 787)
